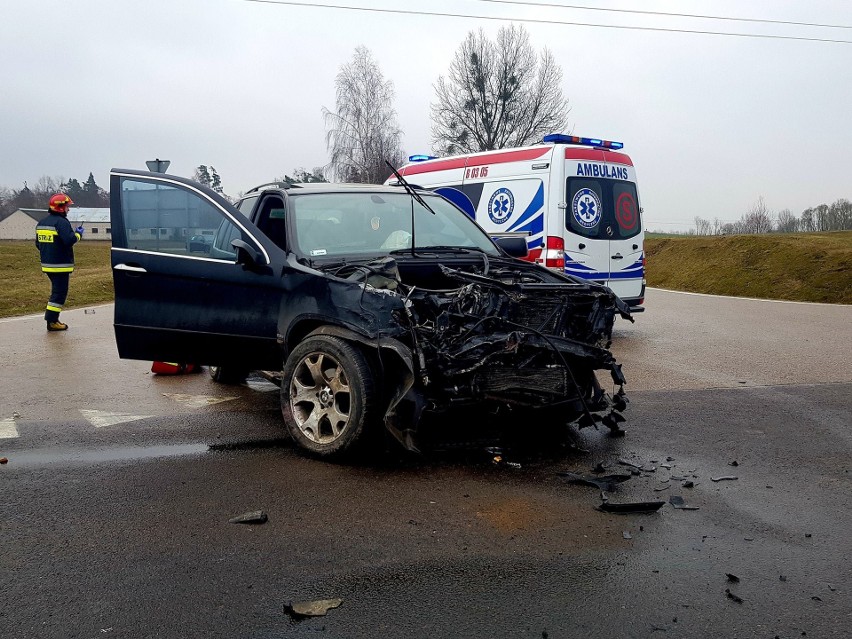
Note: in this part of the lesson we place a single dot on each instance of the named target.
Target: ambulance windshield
(602, 209)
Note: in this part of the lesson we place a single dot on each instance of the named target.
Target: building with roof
(20, 224)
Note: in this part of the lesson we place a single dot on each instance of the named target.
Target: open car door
(194, 280)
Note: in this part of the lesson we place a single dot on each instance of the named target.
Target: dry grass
(806, 267)
(26, 289)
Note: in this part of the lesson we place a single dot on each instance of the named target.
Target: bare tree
(787, 222)
(702, 226)
(758, 218)
(497, 94)
(807, 223)
(362, 132)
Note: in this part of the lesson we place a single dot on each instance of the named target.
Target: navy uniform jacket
(55, 240)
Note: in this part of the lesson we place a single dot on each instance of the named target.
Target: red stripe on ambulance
(598, 155)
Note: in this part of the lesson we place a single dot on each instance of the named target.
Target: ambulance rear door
(603, 230)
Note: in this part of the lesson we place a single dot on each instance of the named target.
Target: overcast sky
(711, 123)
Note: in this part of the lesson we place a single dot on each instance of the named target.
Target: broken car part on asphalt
(304, 609)
(677, 502)
(253, 517)
(606, 482)
(632, 507)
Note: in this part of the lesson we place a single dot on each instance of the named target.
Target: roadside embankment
(805, 267)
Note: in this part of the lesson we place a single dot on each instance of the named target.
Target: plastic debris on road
(253, 517)
(305, 609)
(677, 502)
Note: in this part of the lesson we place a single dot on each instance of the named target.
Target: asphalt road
(116, 499)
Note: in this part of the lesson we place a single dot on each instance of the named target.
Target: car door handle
(618, 256)
(128, 267)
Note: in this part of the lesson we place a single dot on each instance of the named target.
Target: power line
(316, 5)
(667, 14)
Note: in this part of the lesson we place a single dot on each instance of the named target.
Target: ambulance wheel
(328, 396)
(228, 375)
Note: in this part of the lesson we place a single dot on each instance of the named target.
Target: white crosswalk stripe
(101, 418)
(8, 429)
(197, 401)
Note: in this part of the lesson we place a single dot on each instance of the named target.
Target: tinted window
(247, 205)
(602, 209)
(168, 219)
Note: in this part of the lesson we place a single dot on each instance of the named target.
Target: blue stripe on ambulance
(532, 219)
(634, 271)
(459, 199)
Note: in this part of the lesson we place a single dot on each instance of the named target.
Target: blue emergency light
(560, 138)
(421, 158)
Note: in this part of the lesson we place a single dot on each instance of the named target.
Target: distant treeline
(86, 194)
(759, 219)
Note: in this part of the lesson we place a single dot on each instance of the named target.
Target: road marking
(8, 430)
(101, 418)
(750, 299)
(197, 401)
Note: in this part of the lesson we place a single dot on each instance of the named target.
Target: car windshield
(364, 223)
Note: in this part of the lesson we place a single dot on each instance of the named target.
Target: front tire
(327, 396)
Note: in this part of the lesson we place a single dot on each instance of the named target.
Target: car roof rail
(274, 185)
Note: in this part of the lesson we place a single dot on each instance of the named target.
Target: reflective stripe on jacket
(55, 240)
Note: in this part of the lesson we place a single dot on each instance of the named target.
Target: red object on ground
(173, 368)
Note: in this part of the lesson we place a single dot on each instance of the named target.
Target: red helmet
(60, 203)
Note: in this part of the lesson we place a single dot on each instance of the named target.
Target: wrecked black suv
(378, 305)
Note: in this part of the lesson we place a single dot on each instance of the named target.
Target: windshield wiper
(415, 197)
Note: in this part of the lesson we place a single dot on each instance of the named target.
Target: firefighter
(55, 240)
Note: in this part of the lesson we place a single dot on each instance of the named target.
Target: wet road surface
(119, 528)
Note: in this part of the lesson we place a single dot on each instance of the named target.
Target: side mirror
(247, 255)
(515, 246)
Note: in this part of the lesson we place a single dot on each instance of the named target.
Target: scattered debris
(732, 578)
(732, 596)
(677, 502)
(16, 415)
(605, 482)
(831, 588)
(782, 577)
(305, 609)
(670, 458)
(89, 311)
(514, 465)
(734, 463)
(815, 598)
(689, 484)
(748, 538)
(650, 469)
(662, 488)
(599, 468)
(676, 478)
(253, 517)
(632, 507)
(4, 460)
(497, 459)
(626, 534)
(635, 472)
(724, 478)
(808, 535)
(666, 466)
(624, 462)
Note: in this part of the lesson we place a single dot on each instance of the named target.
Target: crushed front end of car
(500, 334)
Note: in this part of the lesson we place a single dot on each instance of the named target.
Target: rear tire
(228, 375)
(328, 396)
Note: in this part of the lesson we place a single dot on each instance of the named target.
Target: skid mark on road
(102, 418)
(8, 430)
(197, 401)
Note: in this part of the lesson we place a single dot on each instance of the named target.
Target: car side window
(247, 205)
(167, 219)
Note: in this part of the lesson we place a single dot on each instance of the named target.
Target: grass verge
(25, 288)
(804, 267)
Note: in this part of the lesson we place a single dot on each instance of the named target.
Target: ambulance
(573, 198)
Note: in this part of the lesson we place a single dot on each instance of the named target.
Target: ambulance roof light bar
(560, 138)
(421, 157)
